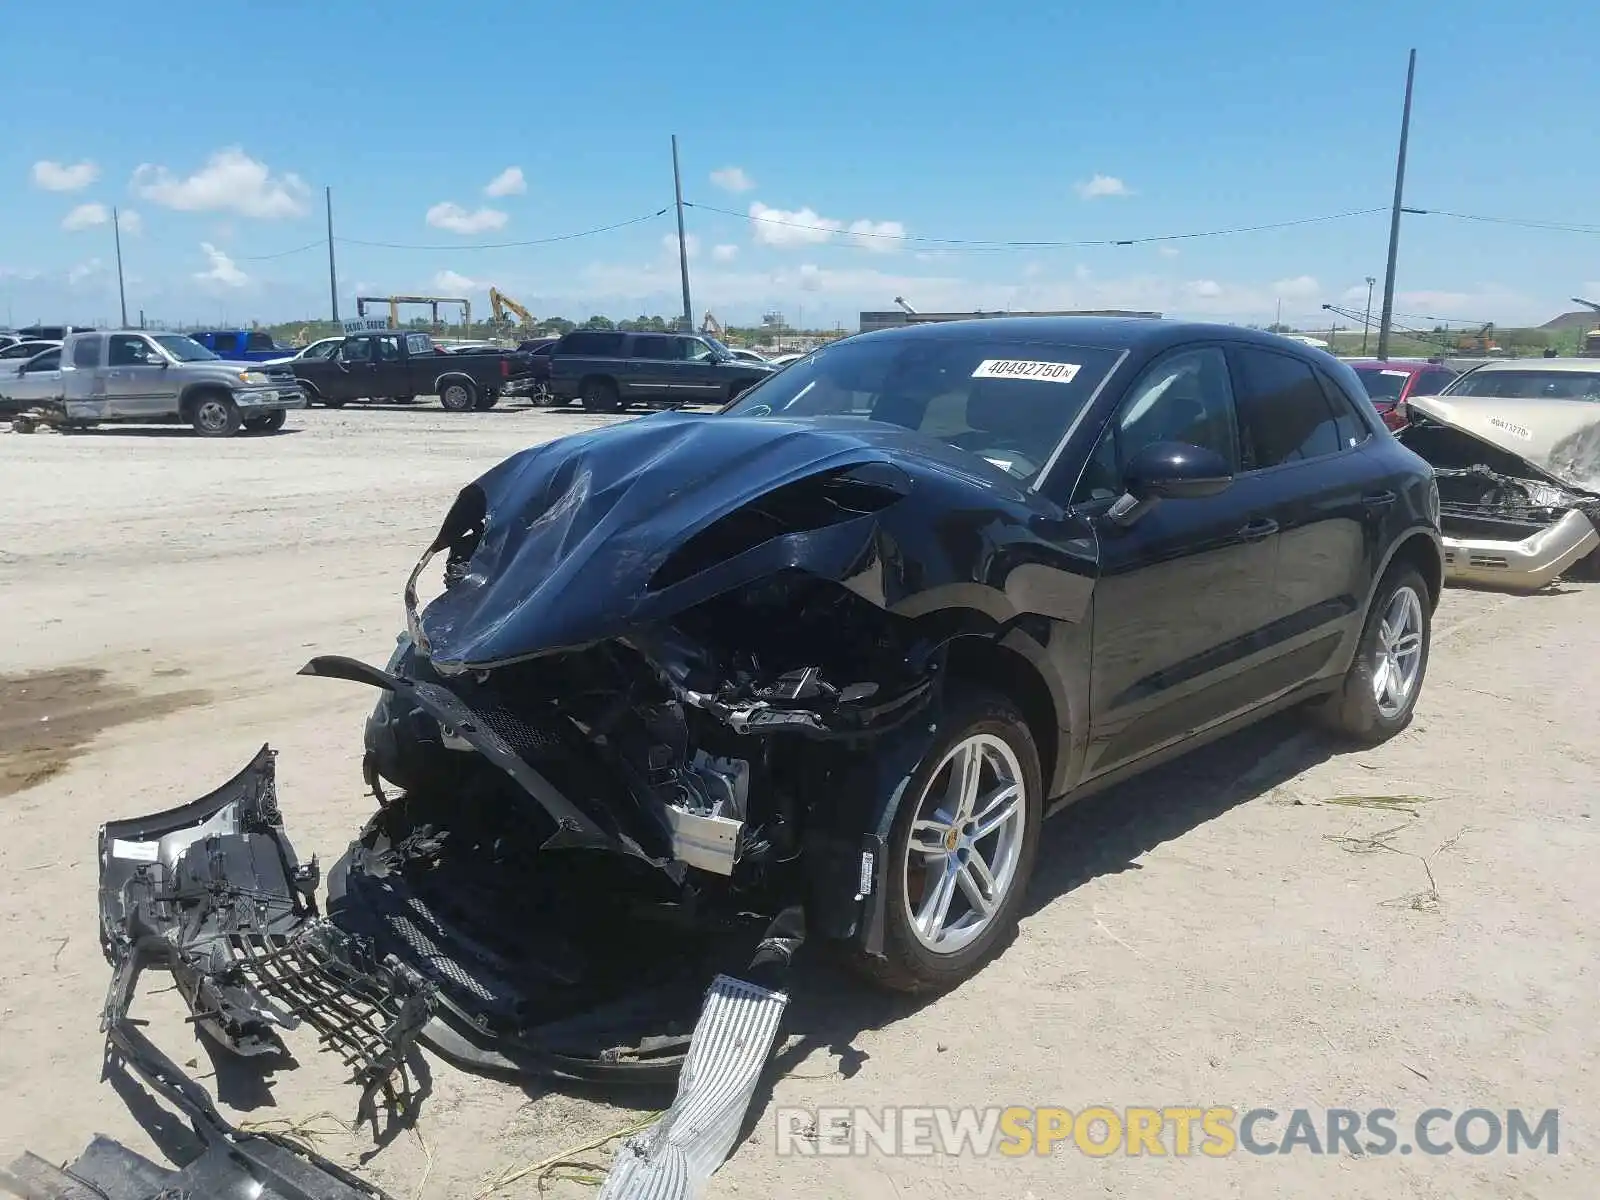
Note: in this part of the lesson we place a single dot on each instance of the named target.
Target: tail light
(505, 368)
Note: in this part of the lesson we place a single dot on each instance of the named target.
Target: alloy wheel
(1398, 656)
(213, 414)
(965, 844)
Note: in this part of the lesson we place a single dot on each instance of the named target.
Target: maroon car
(1389, 384)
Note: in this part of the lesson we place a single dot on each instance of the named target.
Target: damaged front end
(650, 736)
(1519, 487)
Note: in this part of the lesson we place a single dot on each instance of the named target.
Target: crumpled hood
(1558, 439)
(574, 530)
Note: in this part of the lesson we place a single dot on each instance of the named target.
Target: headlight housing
(254, 377)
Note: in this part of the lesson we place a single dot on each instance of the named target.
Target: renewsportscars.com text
(1179, 1131)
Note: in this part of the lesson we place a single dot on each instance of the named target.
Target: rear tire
(459, 396)
(215, 415)
(600, 396)
(925, 865)
(1381, 689)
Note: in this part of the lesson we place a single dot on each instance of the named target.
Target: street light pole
(333, 274)
(1366, 322)
(1394, 216)
(122, 295)
(683, 242)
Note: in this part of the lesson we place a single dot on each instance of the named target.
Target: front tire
(1381, 689)
(269, 422)
(600, 396)
(962, 848)
(216, 415)
(459, 396)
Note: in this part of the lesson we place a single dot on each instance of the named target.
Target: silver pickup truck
(139, 376)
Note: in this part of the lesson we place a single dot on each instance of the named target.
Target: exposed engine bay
(1519, 486)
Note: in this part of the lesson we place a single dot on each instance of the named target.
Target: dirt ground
(1240, 928)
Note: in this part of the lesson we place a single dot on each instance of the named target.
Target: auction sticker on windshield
(1022, 368)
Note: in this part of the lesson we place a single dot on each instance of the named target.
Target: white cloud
(1101, 185)
(21, 274)
(231, 181)
(224, 270)
(1206, 289)
(691, 244)
(86, 216)
(85, 271)
(1301, 287)
(803, 227)
(455, 283)
(807, 227)
(450, 215)
(59, 177)
(724, 253)
(509, 182)
(1168, 251)
(881, 236)
(129, 221)
(732, 179)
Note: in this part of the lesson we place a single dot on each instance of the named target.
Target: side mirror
(1168, 471)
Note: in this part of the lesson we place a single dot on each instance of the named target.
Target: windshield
(1529, 385)
(1007, 401)
(184, 349)
(1383, 383)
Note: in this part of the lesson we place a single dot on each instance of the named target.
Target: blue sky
(218, 125)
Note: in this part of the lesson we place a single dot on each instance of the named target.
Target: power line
(544, 241)
(1556, 226)
(279, 254)
(994, 244)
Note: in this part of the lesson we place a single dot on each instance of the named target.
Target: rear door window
(1284, 415)
(651, 347)
(86, 353)
(593, 342)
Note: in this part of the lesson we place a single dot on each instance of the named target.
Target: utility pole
(683, 243)
(1277, 322)
(333, 275)
(1394, 216)
(1366, 322)
(122, 295)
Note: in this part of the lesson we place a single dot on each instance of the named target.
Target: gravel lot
(1221, 932)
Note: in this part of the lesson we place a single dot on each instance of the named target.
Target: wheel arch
(1004, 668)
(1421, 549)
(450, 377)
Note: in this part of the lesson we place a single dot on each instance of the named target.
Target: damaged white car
(1515, 447)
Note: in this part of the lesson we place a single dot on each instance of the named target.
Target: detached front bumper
(1523, 564)
(267, 399)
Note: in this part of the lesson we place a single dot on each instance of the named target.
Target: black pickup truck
(608, 371)
(402, 365)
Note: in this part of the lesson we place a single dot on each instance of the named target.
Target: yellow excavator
(500, 303)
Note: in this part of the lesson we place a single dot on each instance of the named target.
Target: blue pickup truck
(241, 345)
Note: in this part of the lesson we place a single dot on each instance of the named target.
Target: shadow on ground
(1102, 835)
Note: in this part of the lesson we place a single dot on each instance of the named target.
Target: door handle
(1262, 527)
(1379, 499)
